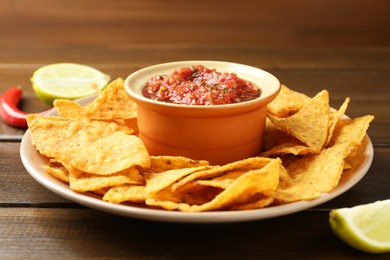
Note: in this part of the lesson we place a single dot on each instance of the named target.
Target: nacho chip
(287, 103)
(288, 145)
(112, 103)
(58, 171)
(129, 123)
(166, 163)
(310, 124)
(69, 109)
(83, 182)
(256, 202)
(272, 135)
(101, 191)
(193, 194)
(313, 175)
(52, 134)
(168, 204)
(126, 193)
(351, 131)
(72, 110)
(246, 164)
(334, 119)
(222, 181)
(107, 155)
(159, 181)
(222, 184)
(99, 124)
(247, 185)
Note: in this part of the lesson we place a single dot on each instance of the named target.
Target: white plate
(33, 162)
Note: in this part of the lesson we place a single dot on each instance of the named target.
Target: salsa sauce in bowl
(207, 110)
(198, 85)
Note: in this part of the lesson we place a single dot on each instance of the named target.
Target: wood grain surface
(342, 46)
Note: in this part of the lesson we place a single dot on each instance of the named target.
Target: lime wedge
(67, 81)
(365, 227)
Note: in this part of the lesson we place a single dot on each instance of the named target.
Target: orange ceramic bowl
(217, 133)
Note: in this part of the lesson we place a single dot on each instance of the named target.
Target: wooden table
(119, 38)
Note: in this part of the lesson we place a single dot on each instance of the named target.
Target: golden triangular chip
(287, 103)
(126, 193)
(334, 119)
(310, 124)
(264, 179)
(313, 175)
(69, 109)
(112, 103)
(107, 155)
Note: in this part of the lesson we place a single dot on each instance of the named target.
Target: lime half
(365, 227)
(67, 81)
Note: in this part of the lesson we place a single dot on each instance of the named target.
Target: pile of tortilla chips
(95, 149)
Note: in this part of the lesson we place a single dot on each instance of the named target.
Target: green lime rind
(49, 98)
(67, 81)
(354, 226)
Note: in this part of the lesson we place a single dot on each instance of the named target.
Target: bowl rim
(169, 67)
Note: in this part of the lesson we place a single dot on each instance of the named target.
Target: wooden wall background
(205, 22)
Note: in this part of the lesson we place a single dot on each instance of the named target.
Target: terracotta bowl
(217, 133)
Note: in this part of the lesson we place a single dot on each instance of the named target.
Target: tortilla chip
(108, 155)
(272, 135)
(351, 131)
(310, 124)
(222, 184)
(69, 109)
(83, 182)
(313, 175)
(159, 181)
(126, 193)
(246, 164)
(288, 145)
(58, 171)
(166, 163)
(287, 103)
(334, 119)
(129, 123)
(222, 181)
(256, 202)
(52, 134)
(247, 185)
(112, 103)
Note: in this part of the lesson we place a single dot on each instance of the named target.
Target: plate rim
(28, 152)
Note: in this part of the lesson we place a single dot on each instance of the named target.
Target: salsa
(198, 85)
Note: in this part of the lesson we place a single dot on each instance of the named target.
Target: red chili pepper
(9, 111)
